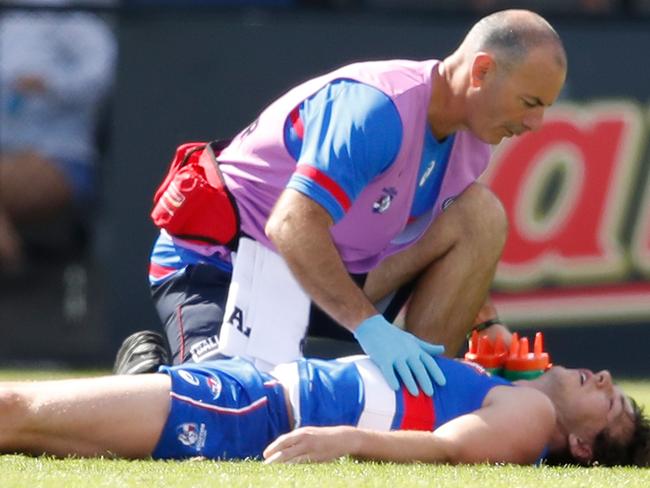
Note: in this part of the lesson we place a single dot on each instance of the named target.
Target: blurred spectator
(56, 68)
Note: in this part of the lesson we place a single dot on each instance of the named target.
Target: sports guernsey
(227, 409)
(352, 391)
(357, 141)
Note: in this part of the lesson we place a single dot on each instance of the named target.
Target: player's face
(508, 103)
(589, 403)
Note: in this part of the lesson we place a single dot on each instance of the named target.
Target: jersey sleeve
(342, 137)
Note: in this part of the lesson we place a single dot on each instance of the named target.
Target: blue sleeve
(342, 137)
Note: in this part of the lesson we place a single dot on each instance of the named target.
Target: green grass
(639, 390)
(26, 472)
(22, 472)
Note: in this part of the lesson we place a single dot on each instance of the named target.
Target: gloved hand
(394, 350)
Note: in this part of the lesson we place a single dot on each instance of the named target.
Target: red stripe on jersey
(327, 183)
(157, 271)
(296, 122)
(419, 413)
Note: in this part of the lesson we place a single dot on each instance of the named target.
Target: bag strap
(213, 149)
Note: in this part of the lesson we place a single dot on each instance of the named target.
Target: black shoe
(142, 352)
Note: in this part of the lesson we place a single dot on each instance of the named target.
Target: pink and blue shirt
(356, 141)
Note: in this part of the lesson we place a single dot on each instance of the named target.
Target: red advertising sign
(578, 200)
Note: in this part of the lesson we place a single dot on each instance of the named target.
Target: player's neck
(558, 438)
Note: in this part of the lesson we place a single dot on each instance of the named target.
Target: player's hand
(311, 444)
(394, 350)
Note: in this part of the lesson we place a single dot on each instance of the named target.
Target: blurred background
(104, 91)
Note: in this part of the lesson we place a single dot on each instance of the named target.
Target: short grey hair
(509, 35)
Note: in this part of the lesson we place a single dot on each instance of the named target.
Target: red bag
(193, 201)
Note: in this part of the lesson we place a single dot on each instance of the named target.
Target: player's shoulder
(525, 402)
(526, 418)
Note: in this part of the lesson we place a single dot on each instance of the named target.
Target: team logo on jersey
(192, 435)
(215, 387)
(447, 202)
(384, 201)
(190, 378)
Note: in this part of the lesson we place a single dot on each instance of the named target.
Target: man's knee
(484, 217)
(191, 307)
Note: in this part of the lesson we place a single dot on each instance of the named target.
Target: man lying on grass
(314, 410)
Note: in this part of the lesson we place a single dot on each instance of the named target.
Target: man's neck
(446, 107)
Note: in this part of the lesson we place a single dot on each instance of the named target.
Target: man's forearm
(300, 230)
(318, 444)
(400, 446)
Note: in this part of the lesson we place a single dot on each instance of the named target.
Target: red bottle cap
(520, 359)
(483, 352)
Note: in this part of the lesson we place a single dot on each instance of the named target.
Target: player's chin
(559, 371)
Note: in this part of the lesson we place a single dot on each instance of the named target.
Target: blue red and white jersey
(352, 391)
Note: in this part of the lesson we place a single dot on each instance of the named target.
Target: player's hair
(610, 452)
(509, 35)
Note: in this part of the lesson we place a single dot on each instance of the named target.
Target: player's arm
(513, 427)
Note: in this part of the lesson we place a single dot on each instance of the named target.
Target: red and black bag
(193, 201)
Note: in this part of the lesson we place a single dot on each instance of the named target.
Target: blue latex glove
(394, 350)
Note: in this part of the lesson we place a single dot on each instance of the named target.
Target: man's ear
(580, 449)
(482, 65)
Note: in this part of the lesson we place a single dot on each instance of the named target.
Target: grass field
(25, 472)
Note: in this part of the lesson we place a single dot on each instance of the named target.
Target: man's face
(503, 103)
(589, 403)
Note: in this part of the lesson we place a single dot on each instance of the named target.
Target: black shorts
(191, 307)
